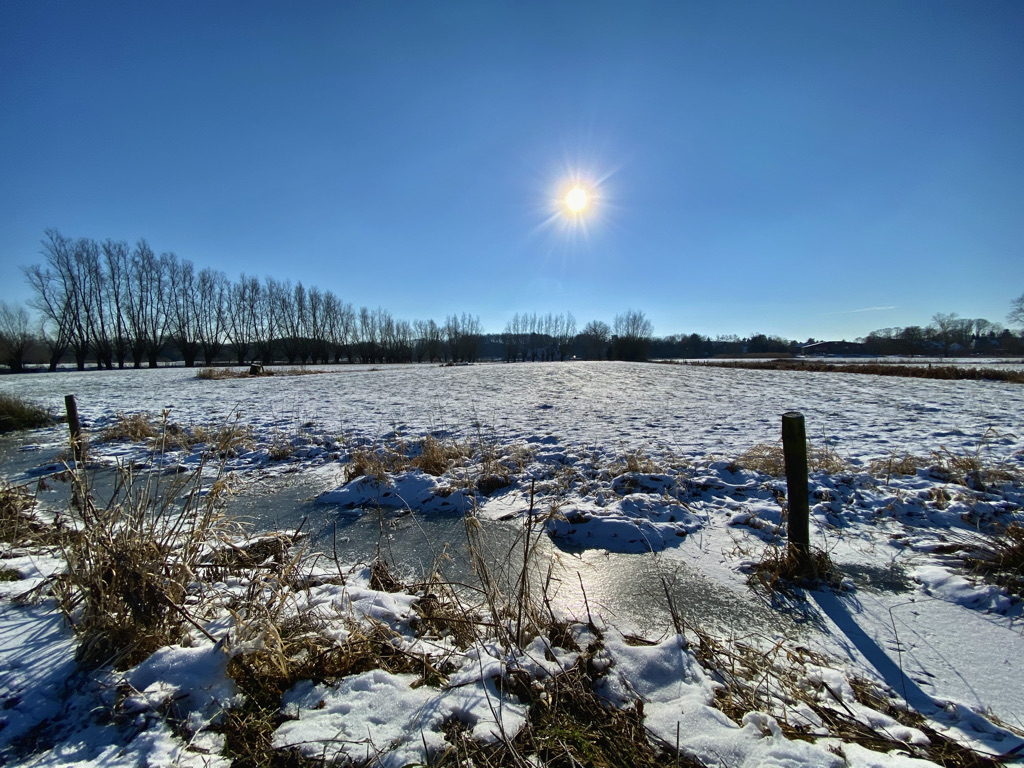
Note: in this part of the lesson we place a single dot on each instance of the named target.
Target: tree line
(118, 305)
(115, 304)
(949, 334)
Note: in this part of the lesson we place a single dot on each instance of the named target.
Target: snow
(907, 616)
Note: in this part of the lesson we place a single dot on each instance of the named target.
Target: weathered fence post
(794, 451)
(74, 426)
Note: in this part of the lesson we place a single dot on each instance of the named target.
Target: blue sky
(799, 168)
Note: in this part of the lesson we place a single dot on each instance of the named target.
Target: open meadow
(422, 565)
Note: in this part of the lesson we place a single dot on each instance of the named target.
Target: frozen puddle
(625, 589)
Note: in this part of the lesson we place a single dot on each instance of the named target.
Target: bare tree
(63, 297)
(316, 326)
(945, 327)
(340, 324)
(99, 314)
(1016, 316)
(52, 300)
(264, 303)
(631, 335)
(211, 308)
(289, 318)
(564, 335)
(367, 331)
(147, 304)
(594, 340)
(239, 326)
(183, 307)
(117, 261)
(15, 336)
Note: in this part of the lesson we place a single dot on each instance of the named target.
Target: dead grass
(773, 679)
(569, 725)
(129, 570)
(17, 413)
(769, 460)
(944, 372)
(219, 374)
(974, 469)
(999, 558)
(896, 464)
(634, 461)
(223, 441)
(276, 647)
(19, 525)
(433, 456)
(134, 427)
(779, 571)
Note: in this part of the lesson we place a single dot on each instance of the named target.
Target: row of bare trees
(120, 305)
(553, 337)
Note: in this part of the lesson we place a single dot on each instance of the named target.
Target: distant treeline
(111, 304)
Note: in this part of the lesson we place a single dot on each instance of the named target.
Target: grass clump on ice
(19, 525)
(17, 413)
(134, 427)
(433, 456)
(781, 571)
(131, 565)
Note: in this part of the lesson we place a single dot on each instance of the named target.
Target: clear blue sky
(799, 168)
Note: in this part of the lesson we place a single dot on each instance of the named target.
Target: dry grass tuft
(224, 441)
(894, 464)
(369, 463)
(19, 525)
(568, 725)
(437, 457)
(129, 570)
(634, 462)
(768, 460)
(219, 374)
(18, 413)
(135, 428)
(433, 456)
(274, 651)
(780, 571)
(441, 614)
(383, 579)
(999, 559)
(773, 680)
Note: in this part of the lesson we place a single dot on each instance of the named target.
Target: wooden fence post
(794, 451)
(74, 426)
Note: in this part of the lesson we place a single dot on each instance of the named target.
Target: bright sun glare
(577, 199)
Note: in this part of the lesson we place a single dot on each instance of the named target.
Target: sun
(577, 199)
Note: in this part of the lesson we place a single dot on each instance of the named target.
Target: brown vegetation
(18, 413)
(945, 372)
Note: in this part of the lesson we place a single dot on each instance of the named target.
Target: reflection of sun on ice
(577, 199)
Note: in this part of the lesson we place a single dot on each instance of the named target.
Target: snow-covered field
(632, 467)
